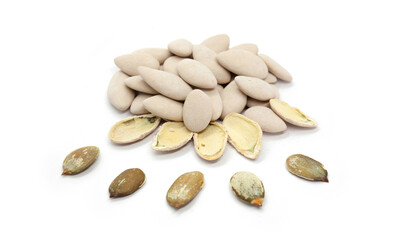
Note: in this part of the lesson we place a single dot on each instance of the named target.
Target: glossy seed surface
(185, 188)
(248, 187)
(307, 168)
(80, 159)
(127, 182)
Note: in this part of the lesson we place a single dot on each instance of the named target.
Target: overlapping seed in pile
(197, 85)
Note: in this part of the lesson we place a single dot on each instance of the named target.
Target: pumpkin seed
(133, 129)
(210, 143)
(291, 115)
(127, 182)
(80, 159)
(172, 135)
(185, 188)
(307, 168)
(244, 134)
(248, 187)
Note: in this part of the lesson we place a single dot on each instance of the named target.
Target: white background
(57, 58)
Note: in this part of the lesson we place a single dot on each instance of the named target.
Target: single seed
(185, 188)
(248, 187)
(291, 114)
(307, 168)
(127, 182)
(210, 143)
(172, 136)
(80, 159)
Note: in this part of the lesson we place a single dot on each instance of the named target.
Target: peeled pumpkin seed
(133, 129)
(307, 168)
(210, 143)
(172, 135)
(127, 182)
(185, 188)
(291, 115)
(244, 134)
(80, 159)
(248, 187)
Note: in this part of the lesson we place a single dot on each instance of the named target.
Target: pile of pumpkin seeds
(188, 88)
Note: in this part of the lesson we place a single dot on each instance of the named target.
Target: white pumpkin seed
(292, 115)
(251, 102)
(270, 78)
(181, 47)
(216, 103)
(210, 143)
(251, 47)
(137, 83)
(159, 53)
(266, 118)
(137, 106)
(233, 100)
(171, 64)
(79, 160)
(197, 111)
(196, 74)
(171, 136)
(256, 88)
(276, 69)
(164, 108)
(217, 43)
(129, 63)
(248, 187)
(119, 95)
(307, 168)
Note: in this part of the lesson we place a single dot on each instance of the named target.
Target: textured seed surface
(248, 187)
(127, 183)
(244, 134)
(266, 118)
(133, 129)
(197, 111)
(164, 107)
(185, 188)
(80, 159)
(172, 135)
(291, 114)
(210, 143)
(306, 167)
(217, 43)
(119, 95)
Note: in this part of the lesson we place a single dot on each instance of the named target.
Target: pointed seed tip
(257, 201)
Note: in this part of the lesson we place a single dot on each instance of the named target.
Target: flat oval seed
(137, 106)
(181, 47)
(127, 183)
(172, 136)
(129, 63)
(251, 47)
(276, 69)
(171, 64)
(196, 74)
(307, 168)
(79, 160)
(119, 95)
(256, 88)
(291, 115)
(243, 134)
(133, 129)
(266, 118)
(165, 83)
(137, 83)
(270, 78)
(248, 187)
(164, 108)
(210, 143)
(185, 188)
(159, 53)
(217, 43)
(233, 100)
(216, 103)
(197, 111)
(244, 63)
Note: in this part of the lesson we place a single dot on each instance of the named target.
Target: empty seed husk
(210, 143)
(248, 187)
(172, 136)
(185, 188)
(80, 159)
(244, 134)
(133, 129)
(291, 114)
(127, 183)
(307, 168)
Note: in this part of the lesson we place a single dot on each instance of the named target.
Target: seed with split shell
(185, 188)
(133, 129)
(248, 187)
(307, 168)
(291, 115)
(210, 143)
(244, 134)
(127, 182)
(172, 135)
(80, 159)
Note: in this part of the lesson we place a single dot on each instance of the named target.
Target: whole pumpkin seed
(185, 188)
(248, 187)
(291, 115)
(127, 182)
(172, 135)
(307, 168)
(80, 159)
(133, 129)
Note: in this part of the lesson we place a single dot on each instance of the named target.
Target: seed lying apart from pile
(127, 182)
(185, 188)
(80, 159)
(307, 168)
(248, 187)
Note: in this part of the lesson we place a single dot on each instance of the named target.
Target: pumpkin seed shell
(80, 159)
(185, 188)
(210, 143)
(171, 136)
(133, 129)
(307, 168)
(292, 115)
(127, 182)
(248, 187)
